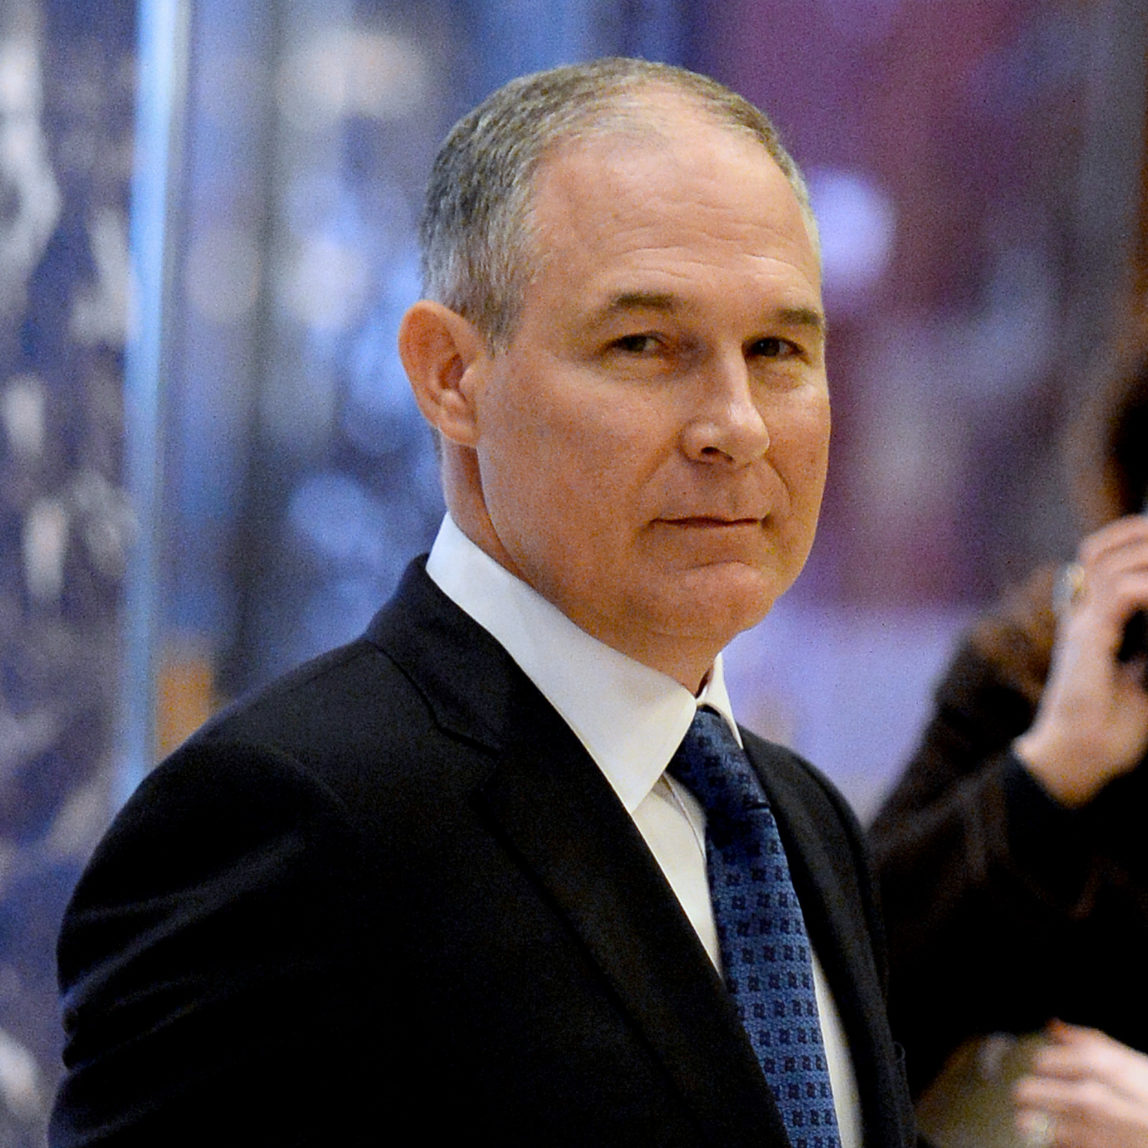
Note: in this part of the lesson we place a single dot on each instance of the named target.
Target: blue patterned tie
(764, 946)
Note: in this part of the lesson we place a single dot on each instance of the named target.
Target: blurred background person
(1012, 852)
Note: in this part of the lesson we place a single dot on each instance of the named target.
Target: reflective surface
(66, 99)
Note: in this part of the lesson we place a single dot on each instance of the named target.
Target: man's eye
(774, 348)
(637, 344)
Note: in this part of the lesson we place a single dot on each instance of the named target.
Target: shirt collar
(629, 717)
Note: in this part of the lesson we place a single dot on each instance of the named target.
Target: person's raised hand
(1092, 722)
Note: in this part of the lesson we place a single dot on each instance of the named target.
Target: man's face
(652, 445)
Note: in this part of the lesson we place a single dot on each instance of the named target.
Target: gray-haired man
(439, 884)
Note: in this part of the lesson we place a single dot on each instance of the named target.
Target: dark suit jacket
(392, 899)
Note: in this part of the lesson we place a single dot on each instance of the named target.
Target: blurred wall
(66, 121)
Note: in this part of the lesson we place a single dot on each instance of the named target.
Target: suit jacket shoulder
(394, 888)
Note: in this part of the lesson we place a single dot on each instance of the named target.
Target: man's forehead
(644, 225)
(612, 170)
(617, 178)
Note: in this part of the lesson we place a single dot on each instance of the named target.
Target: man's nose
(728, 425)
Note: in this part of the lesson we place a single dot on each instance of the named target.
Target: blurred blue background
(211, 466)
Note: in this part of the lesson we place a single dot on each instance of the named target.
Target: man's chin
(719, 602)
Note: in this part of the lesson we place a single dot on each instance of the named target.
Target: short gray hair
(475, 230)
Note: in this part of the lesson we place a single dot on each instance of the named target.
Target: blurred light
(29, 196)
(45, 546)
(102, 312)
(222, 274)
(19, 74)
(105, 521)
(325, 284)
(350, 73)
(20, 1084)
(22, 410)
(857, 222)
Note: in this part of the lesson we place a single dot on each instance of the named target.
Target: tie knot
(716, 770)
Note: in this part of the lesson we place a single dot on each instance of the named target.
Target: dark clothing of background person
(1012, 855)
(1004, 908)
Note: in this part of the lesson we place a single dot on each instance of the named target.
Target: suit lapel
(558, 812)
(551, 804)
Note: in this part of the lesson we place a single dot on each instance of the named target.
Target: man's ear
(441, 351)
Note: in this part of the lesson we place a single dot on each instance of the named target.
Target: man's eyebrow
(625, 302)
(640, 301)
(669, 303)
(803, 317)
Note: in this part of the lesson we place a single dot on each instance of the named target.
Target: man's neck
(687, 660)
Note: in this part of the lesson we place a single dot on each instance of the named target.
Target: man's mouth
(712, 521)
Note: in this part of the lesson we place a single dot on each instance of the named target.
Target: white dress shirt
(631, 719)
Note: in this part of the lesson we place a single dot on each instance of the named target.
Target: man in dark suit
(438, 884)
